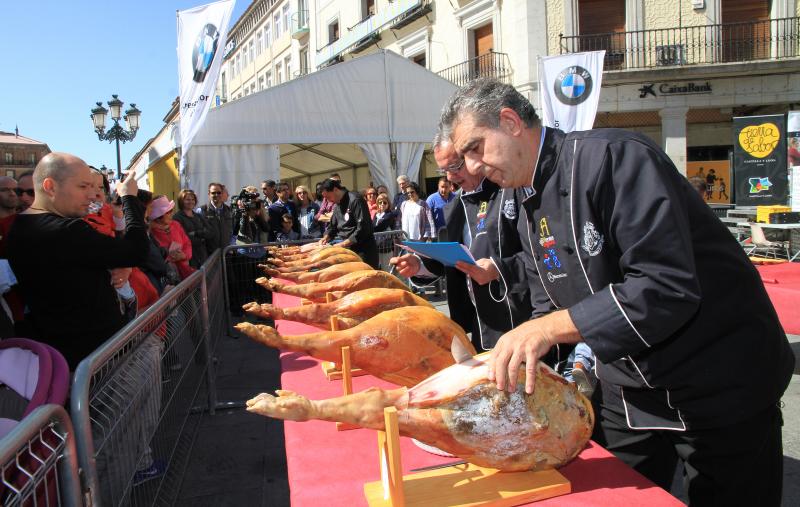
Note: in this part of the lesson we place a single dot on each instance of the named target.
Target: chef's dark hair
(484, 98)
(330, 184)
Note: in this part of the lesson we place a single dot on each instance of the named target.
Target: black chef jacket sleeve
(640, 196)
(360, 212)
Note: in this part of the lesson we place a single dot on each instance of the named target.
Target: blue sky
(62, 56)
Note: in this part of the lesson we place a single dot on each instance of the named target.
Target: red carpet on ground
(329, 467)
(782, 282)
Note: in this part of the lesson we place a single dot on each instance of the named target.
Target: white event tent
(379, 110)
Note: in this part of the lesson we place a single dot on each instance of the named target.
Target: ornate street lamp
(116, 133)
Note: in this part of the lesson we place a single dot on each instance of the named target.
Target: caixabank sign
(759, 160)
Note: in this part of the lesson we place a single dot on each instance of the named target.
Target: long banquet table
(327, 467)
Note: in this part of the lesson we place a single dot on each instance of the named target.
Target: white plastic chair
(761, 243)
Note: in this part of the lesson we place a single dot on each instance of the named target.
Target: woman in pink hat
(170, 235)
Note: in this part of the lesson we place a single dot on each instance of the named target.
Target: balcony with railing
(491, 64)
(692, 45)
(299, 24)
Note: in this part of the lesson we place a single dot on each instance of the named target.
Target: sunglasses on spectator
(20, 191)
(215, 193)
(301, 192)
(383, 202)
(411, 192)
(371, 193)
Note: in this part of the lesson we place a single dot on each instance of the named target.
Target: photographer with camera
(250, 222)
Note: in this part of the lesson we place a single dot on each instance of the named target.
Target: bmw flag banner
(202, 35)
(569, 89)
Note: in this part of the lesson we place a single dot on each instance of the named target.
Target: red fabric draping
(330, 467)
(782, 282)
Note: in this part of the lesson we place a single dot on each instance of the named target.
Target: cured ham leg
(403, 346)
(351, 310)
(303, 260)
(351, 282)
(323, 275)
(460, 411)
(321, 264)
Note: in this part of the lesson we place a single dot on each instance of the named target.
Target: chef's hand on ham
(482, 272)
(407, 265)
(526, 344)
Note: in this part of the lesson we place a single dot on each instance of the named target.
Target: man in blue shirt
(436, 202)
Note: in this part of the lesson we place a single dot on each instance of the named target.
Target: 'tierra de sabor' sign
(656, 89)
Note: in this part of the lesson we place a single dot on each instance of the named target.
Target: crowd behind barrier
(136, 401)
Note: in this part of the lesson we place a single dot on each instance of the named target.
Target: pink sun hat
(161, 206)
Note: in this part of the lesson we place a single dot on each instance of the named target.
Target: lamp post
(116, 133)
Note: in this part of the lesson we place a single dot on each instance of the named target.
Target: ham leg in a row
(303, 260)
(460, 411)
(323, 275)
(351, 310)
(351, 282)
(403, 346)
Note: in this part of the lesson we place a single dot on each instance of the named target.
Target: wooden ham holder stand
(455, 485)
(335, 371)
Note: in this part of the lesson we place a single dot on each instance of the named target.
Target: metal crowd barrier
(132, 399)
(38, 461)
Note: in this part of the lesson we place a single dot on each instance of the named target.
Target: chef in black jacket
(691, 357)
(350, 222)
(484, 218)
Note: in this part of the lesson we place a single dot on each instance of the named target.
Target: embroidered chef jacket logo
(509, 210)
(481, 216)
(347, 216)
(592, 240)
(552, 278)
(548, 242)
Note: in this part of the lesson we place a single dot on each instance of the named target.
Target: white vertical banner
(569, 89)
(202, 35)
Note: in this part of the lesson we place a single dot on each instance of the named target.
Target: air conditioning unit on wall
(670, 54)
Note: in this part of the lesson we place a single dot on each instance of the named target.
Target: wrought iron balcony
(299, 24)
(491, 64)
(692, 45)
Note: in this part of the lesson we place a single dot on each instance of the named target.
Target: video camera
(249, 200)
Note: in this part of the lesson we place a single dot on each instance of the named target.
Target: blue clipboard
(446, 252)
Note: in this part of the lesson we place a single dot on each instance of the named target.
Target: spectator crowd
(79, 259)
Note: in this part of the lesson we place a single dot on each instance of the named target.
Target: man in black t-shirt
(64, 267)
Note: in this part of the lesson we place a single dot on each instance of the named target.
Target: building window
(239, 63)
(269, 79)
(369, 8)
(252, 51)
(287, 64)
(224, 87)
(304, 61)
(276, 20)
(259, 43)
(9, 158)
(286, 16)
(267, 36)
(33, 158)
(253, 87)
(333, 31)
(278, 74)
(261, 83)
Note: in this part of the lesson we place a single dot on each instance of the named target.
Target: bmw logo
(205, 47)
(573, 85)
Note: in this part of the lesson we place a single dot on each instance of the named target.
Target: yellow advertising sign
(759, 140)
(717, 176)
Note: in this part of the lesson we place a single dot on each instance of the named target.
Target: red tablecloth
(782, 282)
(329, 467)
